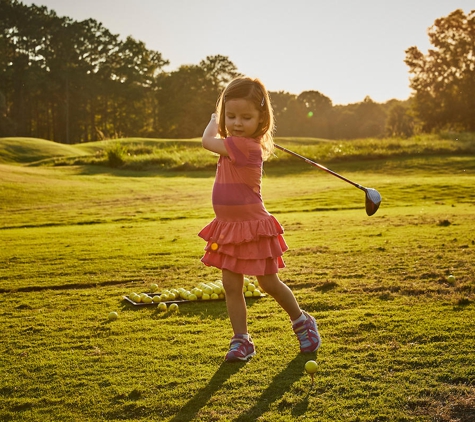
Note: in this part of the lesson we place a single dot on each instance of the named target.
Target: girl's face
(241, 118)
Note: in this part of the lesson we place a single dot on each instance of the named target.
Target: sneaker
(240, 349)
(307, 333)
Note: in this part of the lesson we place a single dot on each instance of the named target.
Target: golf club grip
(313, 163)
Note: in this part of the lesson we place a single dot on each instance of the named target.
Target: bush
(116, 154)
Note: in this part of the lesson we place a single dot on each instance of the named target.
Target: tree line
(71, 81)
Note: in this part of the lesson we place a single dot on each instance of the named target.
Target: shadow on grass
(281, 383)
(190, 409)
(275, 391)
(70, 286)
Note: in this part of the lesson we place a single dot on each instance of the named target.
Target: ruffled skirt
(245, 247)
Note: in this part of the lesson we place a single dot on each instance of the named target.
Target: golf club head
(373, 199)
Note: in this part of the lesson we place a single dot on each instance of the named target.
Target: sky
(345, 49)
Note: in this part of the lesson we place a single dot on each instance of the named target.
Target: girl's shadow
(190, 409)
(279, 385)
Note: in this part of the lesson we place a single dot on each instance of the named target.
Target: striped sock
(301, 318)
(244, 336)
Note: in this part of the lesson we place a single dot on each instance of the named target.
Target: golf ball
(311, 367)
(113, 316)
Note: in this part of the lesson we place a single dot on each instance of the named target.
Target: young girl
(244, 238)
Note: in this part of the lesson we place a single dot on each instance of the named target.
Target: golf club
(373, 198)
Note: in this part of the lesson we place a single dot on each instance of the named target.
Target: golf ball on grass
(162, 307)
(173, 307)
(451, 279)
(311, 368)
(113, 316)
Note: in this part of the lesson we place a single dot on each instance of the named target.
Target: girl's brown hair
(254, 91)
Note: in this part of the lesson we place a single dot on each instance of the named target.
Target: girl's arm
(210, 141)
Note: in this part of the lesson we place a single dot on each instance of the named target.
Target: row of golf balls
(203, 291)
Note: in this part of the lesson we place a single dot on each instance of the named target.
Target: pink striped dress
(243, 237)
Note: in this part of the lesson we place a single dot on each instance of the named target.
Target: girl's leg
(272, 285)
(304, 325)
(235, 302)
(241, 347)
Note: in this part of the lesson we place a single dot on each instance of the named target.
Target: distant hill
(34, 150)
(30, 150)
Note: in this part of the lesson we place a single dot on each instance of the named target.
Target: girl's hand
(212, 128)
(214, 124)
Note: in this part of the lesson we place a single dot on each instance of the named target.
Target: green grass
(397, 336)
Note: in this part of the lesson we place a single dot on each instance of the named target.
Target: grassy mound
(30, 150)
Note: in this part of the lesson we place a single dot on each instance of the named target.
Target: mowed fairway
(398, 336)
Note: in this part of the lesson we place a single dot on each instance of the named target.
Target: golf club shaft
(313, 163)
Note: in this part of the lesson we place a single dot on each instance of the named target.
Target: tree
(6, 125)
(344, 122)
(219, 69)
(444, 79)
(187, 97)
(399, 122)
(71, 81)
(360, 120)
(132, 71)
(371, 118)
(315, 102)
(20, 67)
(303, 115)
(182, 108)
